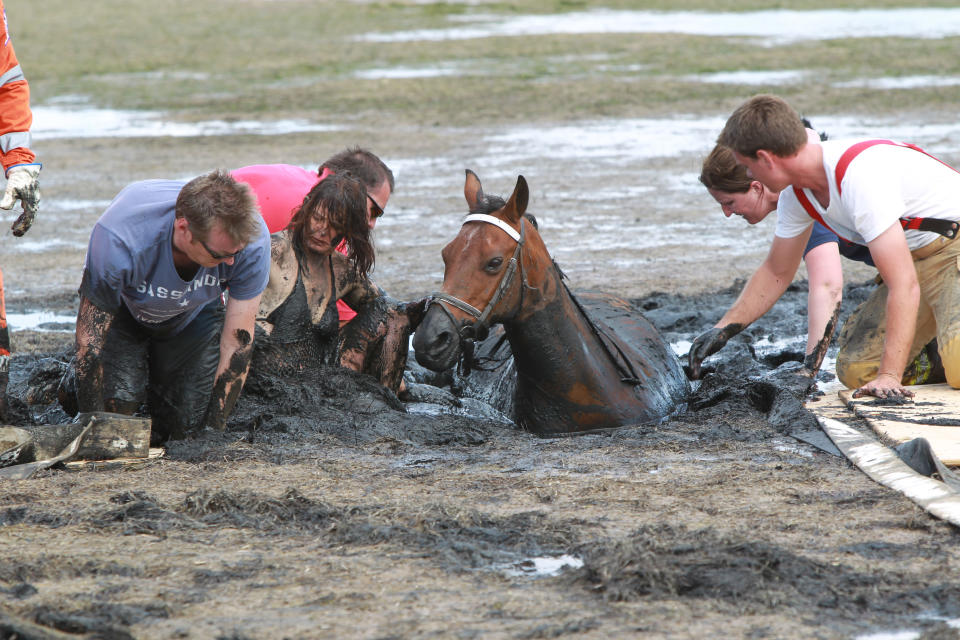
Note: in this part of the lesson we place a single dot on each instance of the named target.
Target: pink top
(280, 190)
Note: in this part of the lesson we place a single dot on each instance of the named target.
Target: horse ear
(517, 204)
(472, 190)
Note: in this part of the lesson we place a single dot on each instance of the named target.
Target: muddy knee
(855, 374)
(950, 355)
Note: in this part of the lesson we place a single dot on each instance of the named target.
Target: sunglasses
(215, 255)
(375, 209)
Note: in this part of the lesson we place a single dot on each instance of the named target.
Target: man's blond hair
(764, 122)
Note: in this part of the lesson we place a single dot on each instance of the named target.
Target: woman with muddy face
(297, 323)
(738, 194)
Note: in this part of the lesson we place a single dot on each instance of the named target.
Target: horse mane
(488, 205)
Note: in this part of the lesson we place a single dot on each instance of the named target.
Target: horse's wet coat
(574, 372)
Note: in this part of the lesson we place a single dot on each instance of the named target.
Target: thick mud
(328, 499)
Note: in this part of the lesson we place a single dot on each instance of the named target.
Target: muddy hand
(22, 185)
(415, 311)
(884, 386)
(708, 343)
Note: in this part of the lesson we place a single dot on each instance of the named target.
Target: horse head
(488, 269)
(580, 364)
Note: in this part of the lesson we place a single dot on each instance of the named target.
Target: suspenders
(946, 228)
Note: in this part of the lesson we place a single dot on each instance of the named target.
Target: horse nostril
(441, 341)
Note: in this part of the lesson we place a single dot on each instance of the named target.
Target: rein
(620, 360)
(479, 329)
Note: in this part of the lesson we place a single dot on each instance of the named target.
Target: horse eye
(494, 264)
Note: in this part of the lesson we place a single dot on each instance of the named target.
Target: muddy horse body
(576, 372)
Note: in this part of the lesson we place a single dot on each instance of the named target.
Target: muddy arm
(815, 355)
(764, 288)
(93, 324)
(236, 347)
(358, 292)
(370, 303)
(376, 341)
(825, 275)
(364, 293)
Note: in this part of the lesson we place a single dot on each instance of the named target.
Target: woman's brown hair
(342, 200)
(721, 172)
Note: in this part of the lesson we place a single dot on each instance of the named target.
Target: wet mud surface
(330, 508)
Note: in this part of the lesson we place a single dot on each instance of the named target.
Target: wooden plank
(933, 414)
(97, 436)
(119, 463)
(111, 436)
(114, 436)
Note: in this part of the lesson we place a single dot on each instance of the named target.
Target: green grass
(282, 58)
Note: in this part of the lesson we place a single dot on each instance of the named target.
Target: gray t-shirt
(130, 262)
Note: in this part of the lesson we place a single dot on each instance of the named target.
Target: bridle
(479, 329)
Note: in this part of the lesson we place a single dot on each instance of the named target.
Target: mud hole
(327, 509)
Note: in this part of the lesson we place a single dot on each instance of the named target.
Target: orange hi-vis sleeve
(4, 334)
(15, 115)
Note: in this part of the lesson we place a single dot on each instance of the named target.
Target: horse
(575, 372)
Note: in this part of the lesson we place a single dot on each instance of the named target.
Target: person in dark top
(297, 322)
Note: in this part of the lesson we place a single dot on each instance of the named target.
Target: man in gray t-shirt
(152, 326)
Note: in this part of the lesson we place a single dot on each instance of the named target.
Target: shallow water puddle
(470, 408)
(41, 321)
(640, 138)
(750, 77)
(609, 144)
(543, 567)
(795, 449)
(72, 121)
(651, 138)
(51, 205)
(891, 635)
(770, 27)
(405, 73)
(766, 345)
(763, 346)
(907, 634)
(747, 78)
(902, 82)
(603, 141)
(42, 246)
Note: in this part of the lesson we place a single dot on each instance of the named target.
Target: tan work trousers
(938, 316)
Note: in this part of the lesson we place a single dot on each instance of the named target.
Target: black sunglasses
(218, 256)
(375, 209)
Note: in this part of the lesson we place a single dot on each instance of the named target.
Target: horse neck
(551, 339)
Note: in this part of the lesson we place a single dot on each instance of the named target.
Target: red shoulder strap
(943, 227)
(812, 211)
(855, 150)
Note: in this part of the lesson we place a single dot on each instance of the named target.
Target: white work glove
(22, 185)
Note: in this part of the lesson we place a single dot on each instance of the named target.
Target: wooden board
(934, 414)
(118, 463)
(110, 436)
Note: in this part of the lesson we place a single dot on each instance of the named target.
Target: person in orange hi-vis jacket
(19, 166)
